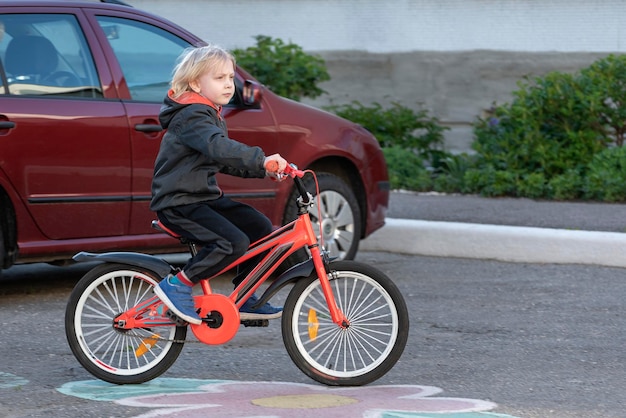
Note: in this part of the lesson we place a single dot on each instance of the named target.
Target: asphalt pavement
(537, 339)
(505, 229)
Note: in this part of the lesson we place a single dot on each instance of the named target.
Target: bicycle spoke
(356, 341)
(142, 294)
(101, 301)
(114, 294)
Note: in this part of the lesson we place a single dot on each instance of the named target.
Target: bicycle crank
(220, 319)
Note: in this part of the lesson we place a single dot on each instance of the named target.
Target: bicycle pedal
(255, 322)
(179, 322)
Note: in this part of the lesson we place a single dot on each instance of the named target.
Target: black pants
(223, 228)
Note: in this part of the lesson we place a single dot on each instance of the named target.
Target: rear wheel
(365, 350)
(109, 353)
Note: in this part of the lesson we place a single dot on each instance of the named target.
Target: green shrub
(504, 184)
(450, 177)
(604, 82)
(285, 68)
(406, 170)
(606, 176)
(548, 136)
(547, 128)
(489, 182)
(566, 186)
(533, 186)
(399, 126)
(475, 180)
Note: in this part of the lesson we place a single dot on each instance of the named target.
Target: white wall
(453, 57)
(406, 25)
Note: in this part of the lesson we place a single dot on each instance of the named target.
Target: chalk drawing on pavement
(8, 380)
(167, 397)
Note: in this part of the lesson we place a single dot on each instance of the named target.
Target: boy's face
(218, 85)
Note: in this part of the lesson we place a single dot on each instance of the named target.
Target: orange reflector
(313, 324)
(146, 345)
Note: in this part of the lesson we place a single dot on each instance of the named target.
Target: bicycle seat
(156, 224)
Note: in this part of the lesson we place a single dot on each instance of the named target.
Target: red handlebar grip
(271, 166)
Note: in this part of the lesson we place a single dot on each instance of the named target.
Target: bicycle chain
(159, 338)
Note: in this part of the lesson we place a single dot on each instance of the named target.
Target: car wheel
(340, 216)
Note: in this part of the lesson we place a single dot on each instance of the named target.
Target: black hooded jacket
(195, 148)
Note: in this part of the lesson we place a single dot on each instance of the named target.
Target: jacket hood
(172, 105)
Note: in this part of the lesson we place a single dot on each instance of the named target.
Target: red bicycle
(343, 322)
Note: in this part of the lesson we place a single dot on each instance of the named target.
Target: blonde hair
(194, 62)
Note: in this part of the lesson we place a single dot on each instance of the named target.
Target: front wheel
(360, 353)
(120, 356)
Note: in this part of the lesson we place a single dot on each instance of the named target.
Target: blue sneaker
(179, 299)
(266, 311)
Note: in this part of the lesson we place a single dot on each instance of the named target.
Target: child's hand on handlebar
(275, 166)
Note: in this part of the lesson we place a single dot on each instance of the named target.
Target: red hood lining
(191, 97)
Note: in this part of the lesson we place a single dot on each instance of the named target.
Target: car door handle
(146, 127)
(7, 125)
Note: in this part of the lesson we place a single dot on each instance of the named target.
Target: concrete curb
(504, 243)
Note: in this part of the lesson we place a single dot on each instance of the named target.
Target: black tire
(106, 352)
(359, 354)
(341, 217)
(2, 252)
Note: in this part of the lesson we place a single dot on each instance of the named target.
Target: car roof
(65, 3)
(93, 4)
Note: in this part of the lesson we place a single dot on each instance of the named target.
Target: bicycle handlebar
(291, 169)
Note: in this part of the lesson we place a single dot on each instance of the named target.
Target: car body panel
(92, 176)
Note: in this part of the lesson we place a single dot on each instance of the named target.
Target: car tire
(340, 213)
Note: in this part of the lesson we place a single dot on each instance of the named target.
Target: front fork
(336, 314)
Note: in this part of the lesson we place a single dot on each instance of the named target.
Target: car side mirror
(252, 93)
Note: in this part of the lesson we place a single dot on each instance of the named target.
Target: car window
(46, 54)
(146, 54)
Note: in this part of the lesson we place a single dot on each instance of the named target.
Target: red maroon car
(81, 87)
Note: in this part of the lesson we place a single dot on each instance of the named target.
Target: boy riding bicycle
(185, 193)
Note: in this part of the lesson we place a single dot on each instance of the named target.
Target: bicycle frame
(277, 246)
